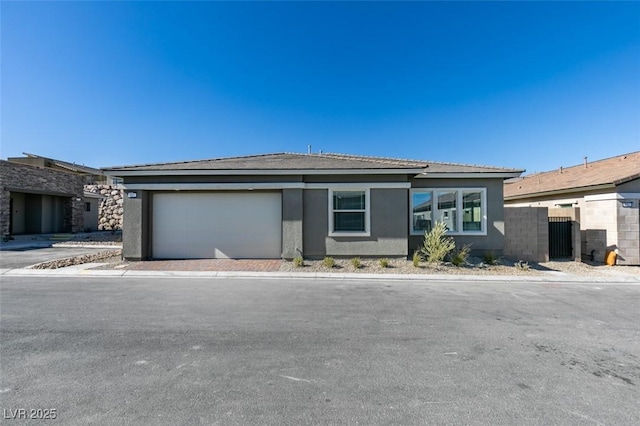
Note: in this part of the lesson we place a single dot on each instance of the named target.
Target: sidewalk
(85, 271)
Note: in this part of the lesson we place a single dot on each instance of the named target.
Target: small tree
(437, 245)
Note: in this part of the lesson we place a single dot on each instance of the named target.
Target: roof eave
(469, 175)
(253, 172)
(560, 192)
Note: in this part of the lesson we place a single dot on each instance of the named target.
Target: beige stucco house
(607, 192)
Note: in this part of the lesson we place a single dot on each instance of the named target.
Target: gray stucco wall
(136, 223)
(306, 217)
(494, 240)
(292, 214)
(389, 226)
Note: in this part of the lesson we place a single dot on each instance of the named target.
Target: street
(118, 350)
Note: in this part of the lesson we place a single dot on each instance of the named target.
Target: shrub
(298, 261)
(416, 258)
(328, 262)
(490, 258)
(459, 256)
(355, 262)
(384, 262)
(437, 245)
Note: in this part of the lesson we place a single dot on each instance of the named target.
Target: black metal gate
(560, 237)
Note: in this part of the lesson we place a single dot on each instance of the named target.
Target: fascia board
(473, 175)
(261, 186)
(289, 172)
(559, 192)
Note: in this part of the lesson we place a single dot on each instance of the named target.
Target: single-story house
(607, 192)
(37, 200)
(92, 176)
(312, 205)
(102, 196)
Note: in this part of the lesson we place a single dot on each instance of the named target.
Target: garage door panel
(216, 225)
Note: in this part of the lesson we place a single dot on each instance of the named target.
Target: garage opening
(216, 225)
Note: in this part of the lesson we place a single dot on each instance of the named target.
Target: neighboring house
(35, 200)
(314, 205)
(92, 175)
(102, 197)
(607, 193)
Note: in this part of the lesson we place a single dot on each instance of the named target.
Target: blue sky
(524, 85)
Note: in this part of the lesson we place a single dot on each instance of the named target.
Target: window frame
(435, 212)
(367, 213)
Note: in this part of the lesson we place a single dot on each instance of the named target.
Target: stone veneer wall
(526, 232)
(110, 212)
(23, 178)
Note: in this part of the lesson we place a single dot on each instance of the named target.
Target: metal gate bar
(560, 237)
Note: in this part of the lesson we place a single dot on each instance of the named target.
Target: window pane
(422, 208)
(447, 209)
(472, 211)
(348, 222)
(348, 200)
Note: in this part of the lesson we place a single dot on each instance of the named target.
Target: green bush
(298, 262)
(437, 245)
(416, 258)
(459, 256)
(328, 262)
(490, 258)
(384, 262)
(355, 262)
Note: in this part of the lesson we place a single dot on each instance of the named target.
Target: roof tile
(614, 170)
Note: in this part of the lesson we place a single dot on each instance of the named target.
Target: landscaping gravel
(475, 266)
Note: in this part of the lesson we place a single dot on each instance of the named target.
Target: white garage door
(201, 225)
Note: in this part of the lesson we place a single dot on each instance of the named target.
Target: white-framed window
(463, 210)
(349, 212)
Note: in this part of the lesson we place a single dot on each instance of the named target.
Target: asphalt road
(293, 352)
(22, 257)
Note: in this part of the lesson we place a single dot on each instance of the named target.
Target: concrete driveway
(21, 257)
(295, 352)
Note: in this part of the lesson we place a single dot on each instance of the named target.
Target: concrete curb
(96, 246)
(79, 272)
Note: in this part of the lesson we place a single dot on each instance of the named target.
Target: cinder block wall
(628, 232)
(526, 232)
(601, 229)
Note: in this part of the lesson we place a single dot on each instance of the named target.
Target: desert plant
(355, 262)
(416, 259)
(298, 261)
(328, 262)
(437, 245)
(384, 262)
(490, 258)
(522, 265)
(459, 256)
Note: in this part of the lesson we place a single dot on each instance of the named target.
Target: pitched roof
(611, 171)
(282, 161)
(77, 168)
(293, 161)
